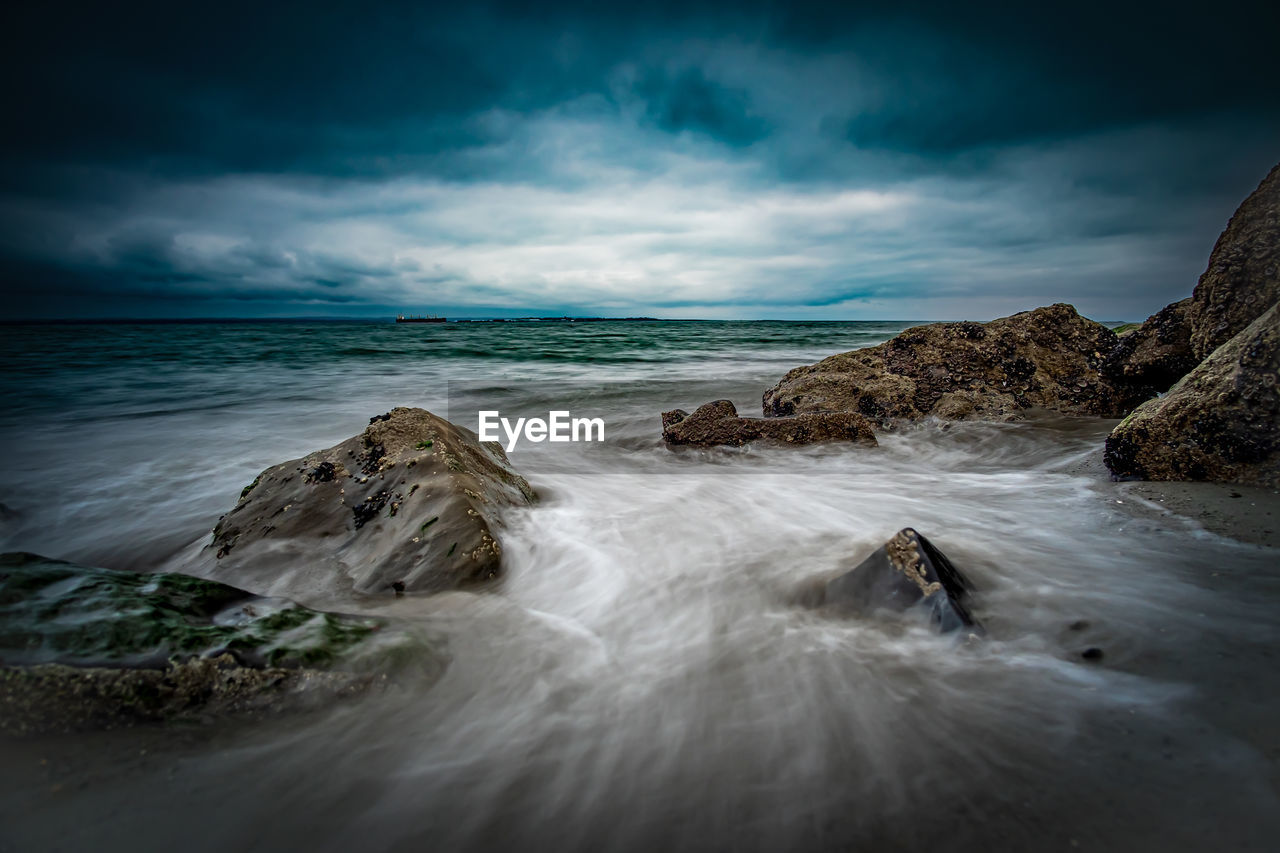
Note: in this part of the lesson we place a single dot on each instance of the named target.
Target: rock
(86, 648)
(675, 416)
(1153, 356)
(1221, 422)
(1243, 277)
(56, 612)
(413, 500)
(717, 423)
(905, 572)
(51, 698)
(1050, 358)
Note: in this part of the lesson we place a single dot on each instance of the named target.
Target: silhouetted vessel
(410, 318)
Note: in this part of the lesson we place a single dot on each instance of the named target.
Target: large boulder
(409, 505)
(1151, 357)
(906, 572)
(1220, 422)
(717, 423)
(1050, 358)
(1243, 278)
(84, 648)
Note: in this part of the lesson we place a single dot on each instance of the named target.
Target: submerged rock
(409, 505)
(905, 572)
(1156, 354)
(1243, 277)
(717, 423)
(57, 612)
(1221, 422)
(55, 698)
(1049, 358)
(85, 648)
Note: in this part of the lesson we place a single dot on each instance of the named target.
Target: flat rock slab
(906, 572)
(55, 698)
(409, 505)
(718, 424)
(88, 648)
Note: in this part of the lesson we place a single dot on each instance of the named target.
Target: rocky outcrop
(717, 423)
(52, 611)
(84, 648)
(1154, 355)
(411, 505)
(1050, 358)
(55, 698)
(1220, 422)
(1243, 277)
(906, 572)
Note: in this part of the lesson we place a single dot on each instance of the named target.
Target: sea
(643, 678)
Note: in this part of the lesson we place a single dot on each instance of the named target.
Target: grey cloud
(507, 154)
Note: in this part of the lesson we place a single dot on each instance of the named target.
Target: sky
(896, 160)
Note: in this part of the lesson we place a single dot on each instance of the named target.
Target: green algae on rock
(51, 611)
(87, 648)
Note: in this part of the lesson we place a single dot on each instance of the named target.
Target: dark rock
(56, 612)
(87, 648)
(420, 507)
(55, 698)
(905, 572)
(323, 473)
(717, 423)
(1153, 356)
(1243, 278)
(1050, 358)
(675, 416)
(1221, 422)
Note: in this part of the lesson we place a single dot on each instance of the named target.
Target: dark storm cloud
(556, 153)
(377, 87)
(689, 101)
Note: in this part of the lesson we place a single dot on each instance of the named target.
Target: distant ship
(429, 318)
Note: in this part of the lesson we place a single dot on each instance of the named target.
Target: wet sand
(1248, 514)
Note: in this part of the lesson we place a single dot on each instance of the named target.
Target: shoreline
(1246, 514)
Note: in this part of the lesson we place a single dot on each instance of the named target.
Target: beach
(643, 676)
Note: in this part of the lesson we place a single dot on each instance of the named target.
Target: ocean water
(643, 677)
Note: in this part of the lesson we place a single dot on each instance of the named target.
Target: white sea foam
(644, 680)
